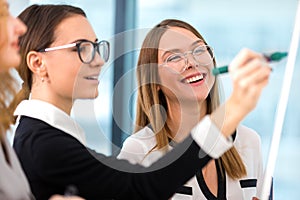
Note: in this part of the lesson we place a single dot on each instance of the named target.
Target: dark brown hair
(41, 21)
(149, 97)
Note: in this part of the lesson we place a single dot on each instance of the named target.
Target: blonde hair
(7, 83)
(148, 97)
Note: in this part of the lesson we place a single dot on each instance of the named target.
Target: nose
(20, 27)
(98, 61)
(190, 61)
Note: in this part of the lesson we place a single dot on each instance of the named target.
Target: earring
(42, 79)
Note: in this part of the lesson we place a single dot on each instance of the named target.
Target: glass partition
(264, 26)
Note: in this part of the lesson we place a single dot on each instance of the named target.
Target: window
(228, 26)
(264, 26)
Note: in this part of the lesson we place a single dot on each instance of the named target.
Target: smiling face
(190, 82)
(12, 29)
(67, 77)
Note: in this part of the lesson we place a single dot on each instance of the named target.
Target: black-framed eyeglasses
(86, 49)
(202, 54)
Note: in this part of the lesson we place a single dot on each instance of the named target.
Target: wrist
(227, 117)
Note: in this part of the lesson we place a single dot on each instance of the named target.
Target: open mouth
(91, 77)
(194, 79)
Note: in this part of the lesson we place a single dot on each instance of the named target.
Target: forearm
(227, 117)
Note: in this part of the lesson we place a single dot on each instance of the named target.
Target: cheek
(83, 88)
(64, 86)
(210, 81)
(170, 85)
(73, 77)
(167, 82)
(167, 79)
(64, 78)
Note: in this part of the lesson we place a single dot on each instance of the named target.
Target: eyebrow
(79, 40)
(178, 50)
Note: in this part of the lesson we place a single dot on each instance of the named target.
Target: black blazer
(53, 160)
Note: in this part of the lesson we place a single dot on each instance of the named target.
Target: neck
(65, 104)
(182, 117)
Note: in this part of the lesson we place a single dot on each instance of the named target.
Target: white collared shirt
(52, 115)
(138, 149)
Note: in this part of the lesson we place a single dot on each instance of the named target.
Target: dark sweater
(53, 160)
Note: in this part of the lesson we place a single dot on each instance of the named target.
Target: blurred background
(228, 26)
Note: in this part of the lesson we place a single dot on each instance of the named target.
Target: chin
(6, 66)
(95, 96)
(86, 98)
(90, 96)
(15, 59)
(96, 93)
(86, 93)
(4, 69)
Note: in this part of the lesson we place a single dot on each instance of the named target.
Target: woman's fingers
(250, 74)
(255, 79)
(243, 57)
(253, 71)
(60, 197)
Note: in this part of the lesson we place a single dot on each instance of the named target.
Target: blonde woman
(173, 95)
(13, 182)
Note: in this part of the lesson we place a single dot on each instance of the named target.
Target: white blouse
(51, 115)
(247, 142)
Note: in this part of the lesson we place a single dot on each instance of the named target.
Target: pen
(277, 56)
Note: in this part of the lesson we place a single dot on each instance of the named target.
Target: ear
(36, 64)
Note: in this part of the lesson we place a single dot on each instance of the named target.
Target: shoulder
(247, 138)
(33, 135)
(38, 131)
(31, 125)
(245, 132)
(136, 146)
(144, 138)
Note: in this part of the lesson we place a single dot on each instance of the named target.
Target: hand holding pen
(249, 74)
(277, 56)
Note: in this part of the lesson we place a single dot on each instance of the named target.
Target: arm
(59, 161)
(98, 176)
(250, 74)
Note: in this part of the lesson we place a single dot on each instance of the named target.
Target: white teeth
(195, 78)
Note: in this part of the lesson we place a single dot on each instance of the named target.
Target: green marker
(277, 56)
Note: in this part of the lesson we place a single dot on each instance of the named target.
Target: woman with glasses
(176, 93)
(61, 62)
